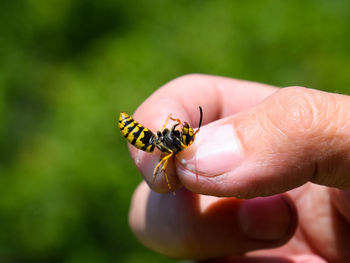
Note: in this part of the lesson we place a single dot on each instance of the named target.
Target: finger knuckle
(300, 109)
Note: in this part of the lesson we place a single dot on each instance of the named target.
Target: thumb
(294, 136)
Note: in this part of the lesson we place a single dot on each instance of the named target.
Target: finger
(198, 227)
(219, 97)
(302, 258)
(321, 229)
(341, 200)
(294, 136)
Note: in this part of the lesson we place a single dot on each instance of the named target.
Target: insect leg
(166, 121)
(164, 170)
(178, 121)
(155, 172)
(164, 161)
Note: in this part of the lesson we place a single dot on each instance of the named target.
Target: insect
(168, 141)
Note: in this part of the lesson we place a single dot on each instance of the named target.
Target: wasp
(168, 141)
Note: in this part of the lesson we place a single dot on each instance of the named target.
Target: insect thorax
(169, 141)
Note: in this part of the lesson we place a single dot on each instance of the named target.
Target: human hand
(289, 145)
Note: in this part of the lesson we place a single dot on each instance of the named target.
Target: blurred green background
(67, 68)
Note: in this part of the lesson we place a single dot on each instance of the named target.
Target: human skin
(265, 180)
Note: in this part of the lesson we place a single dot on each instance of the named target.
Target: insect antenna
(200, 120)
(201, 117)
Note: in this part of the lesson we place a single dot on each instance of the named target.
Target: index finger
(219, 97)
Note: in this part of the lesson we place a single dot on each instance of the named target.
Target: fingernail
(265, 218)
(216, 150)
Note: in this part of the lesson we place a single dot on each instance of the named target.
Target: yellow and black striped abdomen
(135, 133)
